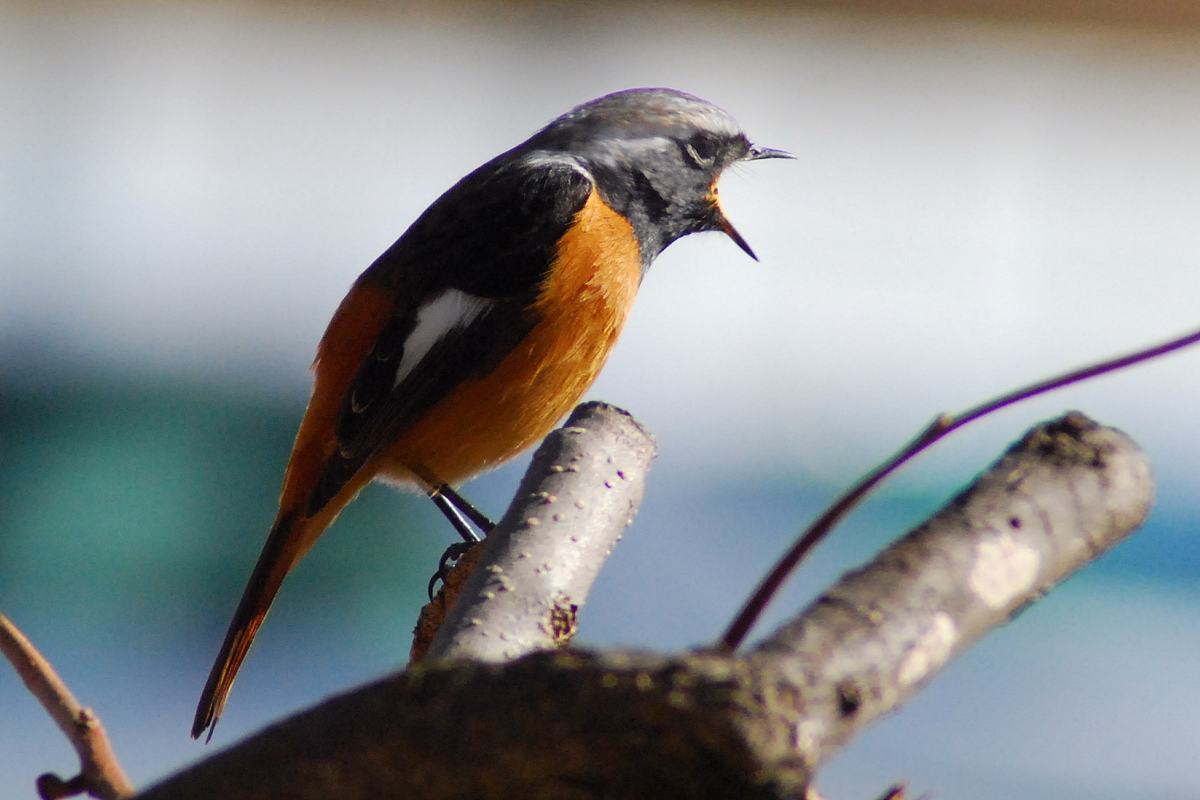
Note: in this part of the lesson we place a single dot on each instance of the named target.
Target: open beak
(757, 153)
(732, 233)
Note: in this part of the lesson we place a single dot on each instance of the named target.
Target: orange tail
(291, 537)
(278, 556)
(350, 336)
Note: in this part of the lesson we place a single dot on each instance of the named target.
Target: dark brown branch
(942, 426)
(100, 773)
(580, 493)
(712, 725)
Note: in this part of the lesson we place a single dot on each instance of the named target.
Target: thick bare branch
(1062, 496)
(580, 493)
(637, 725)
(100, 773)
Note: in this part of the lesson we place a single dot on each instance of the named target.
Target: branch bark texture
(577, 498)
(710, 725)
(1062, 496)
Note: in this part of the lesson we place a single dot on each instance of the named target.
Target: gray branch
(1061, 497)
(580, 493)
(709, 725)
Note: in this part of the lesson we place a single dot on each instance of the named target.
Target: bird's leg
(464, 505)
(454, 506)
(447, 506)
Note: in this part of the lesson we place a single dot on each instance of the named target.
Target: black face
(655, 156)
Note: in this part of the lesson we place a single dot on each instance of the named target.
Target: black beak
(732, 233)
(757, 153)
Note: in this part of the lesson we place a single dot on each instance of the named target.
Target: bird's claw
(449, 558)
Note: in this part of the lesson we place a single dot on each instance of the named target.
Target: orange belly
(582, 307)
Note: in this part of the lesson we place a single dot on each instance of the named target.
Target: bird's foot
(446, 563)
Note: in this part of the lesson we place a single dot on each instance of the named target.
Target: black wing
(492, 236)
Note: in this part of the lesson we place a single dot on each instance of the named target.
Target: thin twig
(943, 425)
(100, 773)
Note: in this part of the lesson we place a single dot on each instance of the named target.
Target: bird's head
(655, 156)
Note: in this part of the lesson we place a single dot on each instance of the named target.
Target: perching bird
(490, 317)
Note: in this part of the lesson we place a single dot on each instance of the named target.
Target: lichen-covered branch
(100, 773)
(711, 725)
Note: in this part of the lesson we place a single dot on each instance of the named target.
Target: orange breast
(582, 307)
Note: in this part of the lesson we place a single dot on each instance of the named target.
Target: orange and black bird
(490, 317)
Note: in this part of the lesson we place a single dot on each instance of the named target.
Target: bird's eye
(702, 150)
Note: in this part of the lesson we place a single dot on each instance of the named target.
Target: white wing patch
(449, 311)
(540, 158)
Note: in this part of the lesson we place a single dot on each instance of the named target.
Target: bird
(470, 337)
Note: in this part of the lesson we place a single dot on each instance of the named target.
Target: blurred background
(985, 194)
